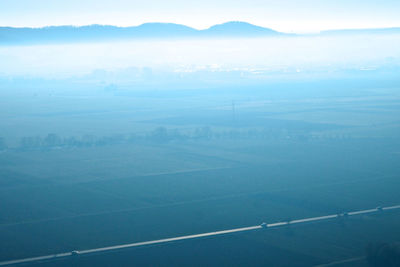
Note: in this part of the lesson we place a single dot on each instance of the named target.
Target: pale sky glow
(283, 15)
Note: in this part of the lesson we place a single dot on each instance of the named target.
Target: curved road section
(172, 239)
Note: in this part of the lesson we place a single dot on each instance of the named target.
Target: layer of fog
(270, 54)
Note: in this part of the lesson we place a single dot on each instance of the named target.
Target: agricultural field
(88, 170)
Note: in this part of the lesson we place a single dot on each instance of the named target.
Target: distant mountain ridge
(237, 28)
(95, 33)
(10, 35)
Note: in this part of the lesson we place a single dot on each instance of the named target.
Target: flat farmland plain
(206, 169)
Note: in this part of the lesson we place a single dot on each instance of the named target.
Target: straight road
(179, 238)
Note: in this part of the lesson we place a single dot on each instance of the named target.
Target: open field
(212, 165)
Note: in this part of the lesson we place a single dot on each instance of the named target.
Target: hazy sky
(284, 15)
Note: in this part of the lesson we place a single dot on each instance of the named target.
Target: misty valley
(166, 145)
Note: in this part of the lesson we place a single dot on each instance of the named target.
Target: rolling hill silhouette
(95, 33)
(10, 35)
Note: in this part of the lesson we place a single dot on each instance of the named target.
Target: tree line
(163, 135)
